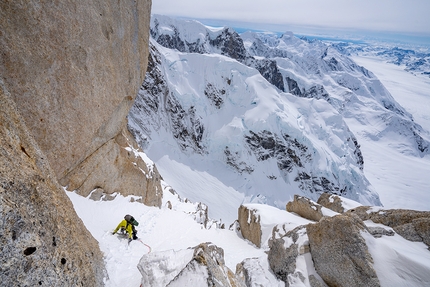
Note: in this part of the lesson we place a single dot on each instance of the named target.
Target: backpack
(130, 219)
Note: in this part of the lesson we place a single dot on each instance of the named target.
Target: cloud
(376, 15)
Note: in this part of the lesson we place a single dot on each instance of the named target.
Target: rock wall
(249, 222)
(304, 207)
(340, 253)
(43, 242)
(73, 70)
(69, 72)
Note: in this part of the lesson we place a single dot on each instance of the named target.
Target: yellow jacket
(127, 226)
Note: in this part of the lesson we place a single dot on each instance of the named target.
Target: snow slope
(221, 115)
(225, 119)
(162, 229)
(400, 179)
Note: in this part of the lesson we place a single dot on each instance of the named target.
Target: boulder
(305, 208)
(340, 253)
(251, 271)
(331, 201)
(250, 227)
(202, 265)
(282, 256)
(411, 224)
(378, 231)
(337, 203)
(287, 248)
(43, 241)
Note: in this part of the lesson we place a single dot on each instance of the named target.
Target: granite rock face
(340, 253)
(202, 265)
(305, 208)
(331, 201)
(413, 225)
(43, 242)
(73, 70)
(249, 222)
(117, 167)
(69, 72)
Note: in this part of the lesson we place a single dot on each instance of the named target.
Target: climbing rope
(149, 247)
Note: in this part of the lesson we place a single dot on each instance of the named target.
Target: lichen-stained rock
(202, 265)
(413, 225)
(43, 241)
(340, 253)
(73, 70)
(250, 227)
(305, 208)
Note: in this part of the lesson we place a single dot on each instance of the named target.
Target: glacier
(258, 118)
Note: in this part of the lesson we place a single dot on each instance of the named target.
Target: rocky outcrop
(340, 253)
(305, 208)
(226, 42)
(286, 246)
(43, 242)
(74, 71)
(252, 273)
(282, 259)
(69, 72)
(117, 167)
(413, 225)
(331, 201)
(249, 222)
(203, 263)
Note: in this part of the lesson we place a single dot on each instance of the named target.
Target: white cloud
(378, 15)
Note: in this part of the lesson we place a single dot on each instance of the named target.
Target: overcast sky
(404, 16)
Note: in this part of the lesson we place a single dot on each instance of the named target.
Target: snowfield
(392, 169)
(401, 179)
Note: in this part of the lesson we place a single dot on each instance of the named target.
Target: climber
(127, 225)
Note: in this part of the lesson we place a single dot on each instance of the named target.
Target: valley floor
(401, 180)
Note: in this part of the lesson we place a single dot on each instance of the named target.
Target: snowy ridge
(216, 113)
(223, 118)
(317, 70)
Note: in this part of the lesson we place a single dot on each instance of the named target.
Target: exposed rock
(305, 208)
(411, 224)
(269, 70)
(377, 232)
(332, 202)
(74, 88)
(422, 226)
(73, 70)
(249, 222)
(252, 273)
(117, 167)
(282, 256)
(408, 232)
(203, 263)
(340, 253)
(293, 87)
(286, 247)
(314, 282)
(43, 241)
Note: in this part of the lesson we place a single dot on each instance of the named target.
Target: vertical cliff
(73, 70)
(69, 72)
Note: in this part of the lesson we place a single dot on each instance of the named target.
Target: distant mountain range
(267, 116)
(414, 61)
